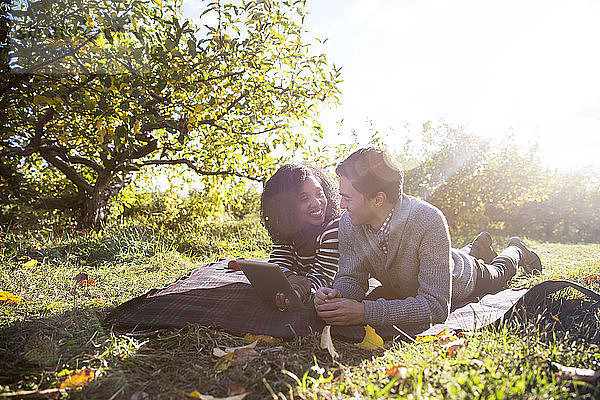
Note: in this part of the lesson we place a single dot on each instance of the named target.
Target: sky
(526, 67)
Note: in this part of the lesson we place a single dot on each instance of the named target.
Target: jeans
(494, 276)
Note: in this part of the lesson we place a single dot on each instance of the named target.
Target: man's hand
(340, 311)
(324, 294)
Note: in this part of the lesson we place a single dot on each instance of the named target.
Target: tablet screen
(268, 279)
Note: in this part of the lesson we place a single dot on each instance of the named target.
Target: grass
(56, 326)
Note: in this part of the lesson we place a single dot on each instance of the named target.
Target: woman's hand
(301, 286)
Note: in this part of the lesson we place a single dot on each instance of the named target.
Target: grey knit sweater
(420, 269)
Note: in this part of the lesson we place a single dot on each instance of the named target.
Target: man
(404, 243)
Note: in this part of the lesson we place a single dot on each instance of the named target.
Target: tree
(99, 90)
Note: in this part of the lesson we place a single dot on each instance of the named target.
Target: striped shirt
(319, 267)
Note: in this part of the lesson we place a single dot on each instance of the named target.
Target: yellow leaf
(158, 2)
(443, 337)
(249, 338)
(77, 378)
(230, 355)
(371, 341)
(39, 99)
(224, 362)
(197, 395)
(30, 264)
(101, 134)
(425, 339)
(136, 127)
(327, 343)
(453, 346)
(397, 370)
(9, 298)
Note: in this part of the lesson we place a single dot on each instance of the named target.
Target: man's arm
(432, 301)
(352, 278)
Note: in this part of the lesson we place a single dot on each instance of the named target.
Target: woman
(300, 209)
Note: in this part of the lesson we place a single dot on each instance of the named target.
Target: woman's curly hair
(281, 191)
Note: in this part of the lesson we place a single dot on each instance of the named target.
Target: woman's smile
(311, 202)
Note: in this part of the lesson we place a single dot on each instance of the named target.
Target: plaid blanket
(235, 307)
(207, 276)
(213, 275)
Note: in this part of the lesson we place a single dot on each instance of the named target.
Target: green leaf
(108, 35)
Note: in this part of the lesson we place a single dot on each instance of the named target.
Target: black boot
(481, 248)
(530, 261)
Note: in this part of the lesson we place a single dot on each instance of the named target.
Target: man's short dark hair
(370, 171)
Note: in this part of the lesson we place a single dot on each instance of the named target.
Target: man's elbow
(439, 313)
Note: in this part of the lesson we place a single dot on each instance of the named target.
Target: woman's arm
(283, 255)
(325, 265)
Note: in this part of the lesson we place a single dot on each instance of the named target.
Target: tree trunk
(94, 211)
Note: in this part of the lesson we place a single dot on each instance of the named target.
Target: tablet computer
(268, 280)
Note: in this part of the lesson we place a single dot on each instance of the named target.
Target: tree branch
(22, 75)
(66, 169)
(39, 128)
(139, 153)
(84, 161)
(199, 171)
(221, 76)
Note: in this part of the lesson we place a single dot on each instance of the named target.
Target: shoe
(482, 248)
(530, 261)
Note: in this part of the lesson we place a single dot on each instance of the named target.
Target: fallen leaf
(140, 396)
(249, 338)
(453, 346)
(217, 352)
(327, 343)
(443, 337)
(224, 362)
(197, 395)
(577, 374)
(594, 278)
(230, 355)
(426, 339)
(243, 356)
(77, 378)
(234, 390)
(9, 298)
(371, 341)
(82, 276)
(30, 264)
(397, 370)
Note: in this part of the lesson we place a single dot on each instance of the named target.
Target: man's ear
(380, 199)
